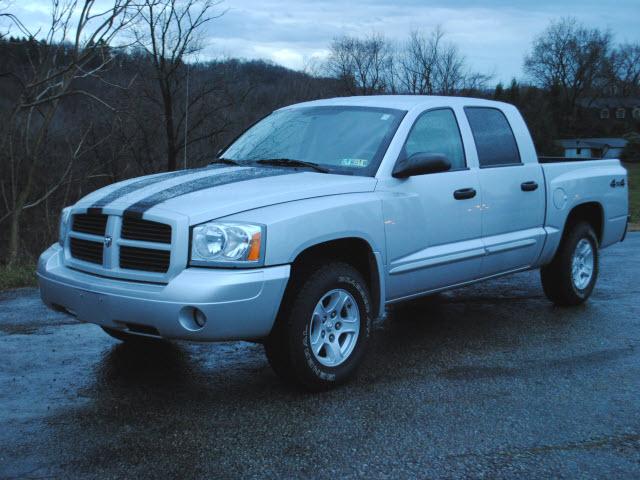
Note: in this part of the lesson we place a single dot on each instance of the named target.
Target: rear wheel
(323, 329)
(570, 278)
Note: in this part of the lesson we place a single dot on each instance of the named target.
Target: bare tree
(427, 65)
(418, 63)
(170, 35)
(572, 59)
(626, 68)
(450, 71)
(364, 66)
(74, 49)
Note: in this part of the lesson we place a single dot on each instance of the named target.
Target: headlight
(226, 243)
(64, 225)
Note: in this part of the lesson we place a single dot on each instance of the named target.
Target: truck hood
(215, 191)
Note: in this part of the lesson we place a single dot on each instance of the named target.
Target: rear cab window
(495, 143)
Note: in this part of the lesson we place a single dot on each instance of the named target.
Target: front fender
(295, 226)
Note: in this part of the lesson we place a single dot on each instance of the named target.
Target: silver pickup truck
(323, 213)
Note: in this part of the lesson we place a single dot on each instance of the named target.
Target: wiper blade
(289, 162)
(226, 161)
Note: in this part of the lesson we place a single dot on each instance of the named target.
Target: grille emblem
(107, 241)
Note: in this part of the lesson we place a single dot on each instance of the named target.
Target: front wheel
(570, 278)
(323, 329)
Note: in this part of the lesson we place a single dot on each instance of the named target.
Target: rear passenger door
(512, 192)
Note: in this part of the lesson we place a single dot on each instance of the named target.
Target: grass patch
(634, 194)
(17, 276)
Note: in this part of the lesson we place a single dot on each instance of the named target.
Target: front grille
(147, 259)
(93, 223)
(123, 247)
(86, 250)
(145, 230)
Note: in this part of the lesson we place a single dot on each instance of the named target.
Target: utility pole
(186, 117)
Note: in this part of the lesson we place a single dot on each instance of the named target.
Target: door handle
(464, 193)
(528, 186)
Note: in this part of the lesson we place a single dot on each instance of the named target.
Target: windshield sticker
(354, 162)
(385, 116)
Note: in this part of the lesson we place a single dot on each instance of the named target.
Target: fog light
(199, 317)
(192, 318)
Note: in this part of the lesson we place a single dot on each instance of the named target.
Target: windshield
(349, 140)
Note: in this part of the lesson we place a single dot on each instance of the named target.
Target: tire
(560, 284)
(306, 321)
(127, 337)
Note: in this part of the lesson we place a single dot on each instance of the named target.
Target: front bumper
(238, 304)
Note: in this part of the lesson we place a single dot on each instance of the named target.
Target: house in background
(592, 147)
(624, 110)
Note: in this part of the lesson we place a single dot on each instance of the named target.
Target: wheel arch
(354, 250)
(590, 212)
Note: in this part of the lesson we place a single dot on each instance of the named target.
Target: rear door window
(495, 143)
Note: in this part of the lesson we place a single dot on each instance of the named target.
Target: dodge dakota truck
(318, 216)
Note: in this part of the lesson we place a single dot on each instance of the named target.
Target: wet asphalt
(489, 381)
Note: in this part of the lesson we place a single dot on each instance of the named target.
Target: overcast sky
(494, 35)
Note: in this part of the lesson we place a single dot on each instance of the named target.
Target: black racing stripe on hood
(114, 195)
(240, 175)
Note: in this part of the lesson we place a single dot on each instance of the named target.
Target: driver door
(433, 221)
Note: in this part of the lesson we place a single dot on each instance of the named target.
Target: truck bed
(578, 180)
(567, 159)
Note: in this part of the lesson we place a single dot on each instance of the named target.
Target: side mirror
(421, 163)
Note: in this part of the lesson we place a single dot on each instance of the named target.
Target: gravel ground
(489, 381)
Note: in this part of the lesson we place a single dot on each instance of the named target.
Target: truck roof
(401, 102)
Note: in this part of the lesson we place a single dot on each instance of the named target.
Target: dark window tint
(437, 131)
(494, 139)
